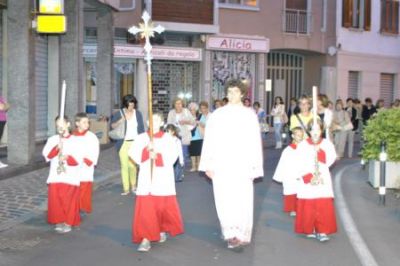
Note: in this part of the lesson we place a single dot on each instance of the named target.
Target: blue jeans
(178, 171)
(186, 155)
(278, 132)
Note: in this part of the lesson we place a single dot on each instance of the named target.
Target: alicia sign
(238, 44)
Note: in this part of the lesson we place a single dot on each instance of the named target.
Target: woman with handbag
(280, 119)
(341, 126)
(126, 125)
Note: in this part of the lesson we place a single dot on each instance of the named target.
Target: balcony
(296, 21)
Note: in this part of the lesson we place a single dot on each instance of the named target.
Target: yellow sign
(51, 6)
(51, 24)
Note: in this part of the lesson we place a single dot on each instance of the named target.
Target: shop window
(356, 14)
(296, 18)
(91, 89)
(90, 34)
(239, 3)
(390, 16)
(124, 81)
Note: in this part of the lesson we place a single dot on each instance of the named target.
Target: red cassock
(89, 150)
(289, 203)
(85, 199)
(63, 204)
(63, 189)
(156, 214)
(315, 204)
(156, 206)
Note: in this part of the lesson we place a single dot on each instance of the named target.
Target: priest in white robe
(232, 157)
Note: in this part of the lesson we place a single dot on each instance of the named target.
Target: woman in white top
(134, 126)
(183, 119)
(278, 113)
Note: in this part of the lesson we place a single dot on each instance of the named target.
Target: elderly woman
(342, 126)
(183, 119)
(134, 126)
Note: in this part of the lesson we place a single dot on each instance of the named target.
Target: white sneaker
(59, 227)
(144, 246)
(3, 165)
(65, 229)
(311, 236)
(163, 237)
(323, 238)
(125, 193)
(292, 214)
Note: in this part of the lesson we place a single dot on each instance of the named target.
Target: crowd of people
(226, 144)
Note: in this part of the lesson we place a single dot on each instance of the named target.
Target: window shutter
(367, 15)
(347, 11)
(396, 17)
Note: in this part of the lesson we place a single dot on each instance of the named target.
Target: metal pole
(382, 172)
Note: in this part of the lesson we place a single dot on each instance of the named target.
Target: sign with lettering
(51, 6)
(158, 52)
(238, 44)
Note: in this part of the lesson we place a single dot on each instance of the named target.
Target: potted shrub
(384, 126)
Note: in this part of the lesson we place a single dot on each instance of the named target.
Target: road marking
(360, 247)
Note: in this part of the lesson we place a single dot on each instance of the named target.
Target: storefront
(239, 57)
(176, 72)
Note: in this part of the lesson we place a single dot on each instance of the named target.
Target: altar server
(287, 170)
(315, 205)
(89, 148)
(62, 152)
(157, 211)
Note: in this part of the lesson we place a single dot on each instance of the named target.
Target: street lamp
(382, 184)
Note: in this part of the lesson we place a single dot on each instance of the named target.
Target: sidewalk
(25, 195)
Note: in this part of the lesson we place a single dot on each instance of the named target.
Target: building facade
(345, 47)
(368, 50)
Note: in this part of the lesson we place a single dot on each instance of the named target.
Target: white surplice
(287, 170)
(232, 149)
(162, 183)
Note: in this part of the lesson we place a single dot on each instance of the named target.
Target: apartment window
(125, 5)
(296, 18)
(387, 88)
(239, 3)
(390, 16)
(353, 84)
(357, 14)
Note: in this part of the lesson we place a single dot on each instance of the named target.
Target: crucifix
(147, 30)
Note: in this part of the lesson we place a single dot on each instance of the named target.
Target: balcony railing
(296, 21)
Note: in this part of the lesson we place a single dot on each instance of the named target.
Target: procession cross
(148, 30)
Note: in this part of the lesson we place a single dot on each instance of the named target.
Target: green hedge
(384, 126)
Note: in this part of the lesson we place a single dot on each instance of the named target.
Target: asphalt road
(104, 238)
